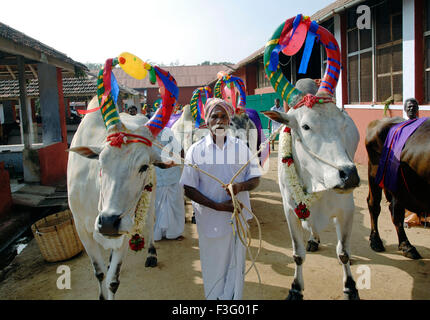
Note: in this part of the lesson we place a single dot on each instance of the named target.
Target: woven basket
(57, 237)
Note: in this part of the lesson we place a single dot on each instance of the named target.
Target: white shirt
(275, 124)
(172, 175)
(223, 164)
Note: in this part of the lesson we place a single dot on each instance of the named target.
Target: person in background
(275, 125)
(132, 110)
(222, 254)
(169, 199)
(411, 108)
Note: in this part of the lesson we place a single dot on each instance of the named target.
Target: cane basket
(57, 237)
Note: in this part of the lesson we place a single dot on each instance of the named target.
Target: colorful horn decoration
(287, 38)
(169, 94)
(225, 87)
(198, 100)
(108, 90)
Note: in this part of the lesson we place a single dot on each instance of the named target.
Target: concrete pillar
(408, 25)
(49, 104)
(24, 115)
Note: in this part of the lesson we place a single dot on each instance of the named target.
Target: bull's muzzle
(349, 178)
(108, 225)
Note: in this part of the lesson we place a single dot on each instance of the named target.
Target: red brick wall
(5, 194)
(53, 163)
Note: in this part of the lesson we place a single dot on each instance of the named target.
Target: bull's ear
(87, 152)
(280, 117)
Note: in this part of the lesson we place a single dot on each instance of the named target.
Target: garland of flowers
(137, 241)
(302, 199)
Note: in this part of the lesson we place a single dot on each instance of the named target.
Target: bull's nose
(108, 225)
(349, 177)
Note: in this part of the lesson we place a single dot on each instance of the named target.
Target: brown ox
(414, 181)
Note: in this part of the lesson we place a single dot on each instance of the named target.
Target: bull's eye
(143, 168)
(305, 127)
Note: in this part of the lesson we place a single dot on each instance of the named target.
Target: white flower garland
(142, 207)
(302, 199)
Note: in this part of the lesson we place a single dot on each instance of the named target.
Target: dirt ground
(178, 275)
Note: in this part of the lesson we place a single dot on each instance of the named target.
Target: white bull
(324, 141)
(104, 185)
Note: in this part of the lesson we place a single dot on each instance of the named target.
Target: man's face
(132, 111)
(218, 121)
(411, 109)
(277, 102)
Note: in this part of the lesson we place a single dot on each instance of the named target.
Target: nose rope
(308, 150)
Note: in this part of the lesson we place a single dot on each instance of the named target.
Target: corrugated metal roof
(185, 76)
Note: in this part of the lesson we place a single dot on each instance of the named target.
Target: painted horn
(222, 92)
(107, 93)
(197, 106)
(169, 94)
(281, 38)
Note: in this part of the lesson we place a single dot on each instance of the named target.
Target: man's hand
(237, 187)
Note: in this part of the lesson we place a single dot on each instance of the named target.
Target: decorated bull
(399, 160)
(317, 146)
(110, 172)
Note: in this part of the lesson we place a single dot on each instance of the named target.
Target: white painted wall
(408, 50)
(337, 35)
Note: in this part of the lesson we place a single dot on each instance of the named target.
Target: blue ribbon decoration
(169, 84)
(274, 56)
(114, 91)
(310, 40)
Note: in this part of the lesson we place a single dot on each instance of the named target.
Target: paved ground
(178, 275)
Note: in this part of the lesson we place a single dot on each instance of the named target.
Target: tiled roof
(20, 38)
(185, 76)
(72, 87)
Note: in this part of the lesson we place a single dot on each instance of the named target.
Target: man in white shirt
(275, 125)
(222, 254)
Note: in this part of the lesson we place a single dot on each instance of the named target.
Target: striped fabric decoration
(108, 107)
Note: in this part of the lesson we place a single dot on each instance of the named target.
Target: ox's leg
(299, 255)
(115, 262)
(94, 251)
(151, 260)
(344, 230)
(398, 216)
(374, 205)
(313, 242)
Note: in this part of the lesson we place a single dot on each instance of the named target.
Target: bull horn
(169, 94)
(279, 82)
(223, 80)
(196, 104)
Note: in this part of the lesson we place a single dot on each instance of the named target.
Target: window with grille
(262, 80)
(388, 51)
(427, 49)
(359, 61)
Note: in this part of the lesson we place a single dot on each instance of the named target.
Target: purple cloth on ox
(173, 119)
(253, 115)
(389, 163)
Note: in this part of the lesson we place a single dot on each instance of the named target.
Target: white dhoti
(169, 212)
(223, 266)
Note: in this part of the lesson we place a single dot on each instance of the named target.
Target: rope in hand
(237, 216)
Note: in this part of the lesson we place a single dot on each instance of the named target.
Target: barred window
(262, 80)
(388, 50)
(427, 49)
(360, 60)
